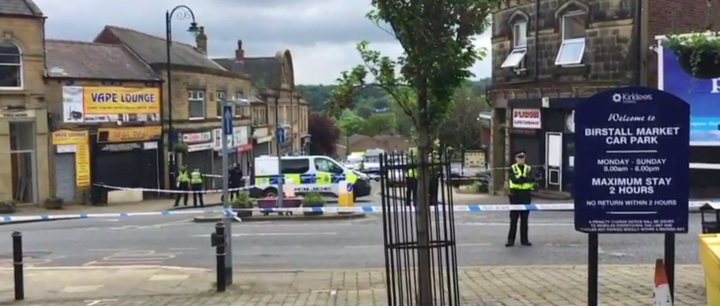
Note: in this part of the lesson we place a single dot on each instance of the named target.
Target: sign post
(280, 135)
(227, 131)
(631, 169)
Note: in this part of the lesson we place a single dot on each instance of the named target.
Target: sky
(320, 34)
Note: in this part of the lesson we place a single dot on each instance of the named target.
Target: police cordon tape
(355, 209)
(170, 191)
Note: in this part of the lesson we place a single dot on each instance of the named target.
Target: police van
(313, 173)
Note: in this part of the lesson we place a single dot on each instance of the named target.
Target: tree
(324, 134)
(350, 124)
(437, 39)
(462, 130)
(380, 124)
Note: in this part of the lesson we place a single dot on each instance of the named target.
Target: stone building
(104, 110)
(24, 175)
(548, 55)
(274, 77)
(199, 88)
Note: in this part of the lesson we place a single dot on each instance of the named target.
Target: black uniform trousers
(198, 194)
(519, 197)
(411, 185)
(183, 186)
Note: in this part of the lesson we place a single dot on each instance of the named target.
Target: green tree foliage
(462, 129)
(380, 124)
(350, 123)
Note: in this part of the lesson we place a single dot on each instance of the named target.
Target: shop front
(24, 149)
(546, 136)
(200, 151)
(71, 164)
(261, 139)
(238, 150)
(126, 157)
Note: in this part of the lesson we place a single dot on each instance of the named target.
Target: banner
(702, 95)
(91, 104)
(69, 137)
(129, 134)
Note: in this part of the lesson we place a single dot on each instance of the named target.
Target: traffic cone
(661, 294)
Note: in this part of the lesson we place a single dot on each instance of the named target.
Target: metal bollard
(18, 266)
(217, 240)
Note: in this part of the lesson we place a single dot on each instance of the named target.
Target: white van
(313, 173)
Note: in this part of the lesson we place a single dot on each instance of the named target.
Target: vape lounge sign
(526, 118)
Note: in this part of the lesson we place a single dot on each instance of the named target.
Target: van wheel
(270, 192)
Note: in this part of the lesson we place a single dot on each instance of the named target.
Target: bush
(54, 203)
(8, 206)
(698, 54)
(313, 199)
(181, 147)
(243, 205)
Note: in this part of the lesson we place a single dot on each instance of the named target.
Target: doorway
(553, 160)
(22, 160)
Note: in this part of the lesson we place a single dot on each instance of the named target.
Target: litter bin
(709, 250)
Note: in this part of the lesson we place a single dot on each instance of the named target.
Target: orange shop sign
(526, 118)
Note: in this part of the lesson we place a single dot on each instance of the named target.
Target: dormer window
(572, 48)
(516, 59)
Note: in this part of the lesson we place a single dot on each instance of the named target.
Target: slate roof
(264, 71)
(85, 60)
(20, 8)
(152, 49)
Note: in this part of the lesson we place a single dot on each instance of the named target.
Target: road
(176, 241)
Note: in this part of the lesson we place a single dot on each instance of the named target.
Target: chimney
(239, 52)
(201, 40)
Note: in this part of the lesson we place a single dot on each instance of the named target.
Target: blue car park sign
(632, 162)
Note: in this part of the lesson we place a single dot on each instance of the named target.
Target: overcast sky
(320, 34)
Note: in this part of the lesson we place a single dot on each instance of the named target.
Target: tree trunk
(423, 217)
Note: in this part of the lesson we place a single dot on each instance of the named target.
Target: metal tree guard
(406, 236)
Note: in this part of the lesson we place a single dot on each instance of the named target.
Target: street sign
(280, 135)
(632, 162)
(227, 120)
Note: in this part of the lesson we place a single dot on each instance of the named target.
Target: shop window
(196, 104)
(516, 59)
(572, 47)
(220, 100)
(11, 66)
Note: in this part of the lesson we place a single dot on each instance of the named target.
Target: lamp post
(184, 12)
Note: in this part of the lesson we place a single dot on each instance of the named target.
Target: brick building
(23, 115)
(548, 55)
(95, 141)
(199, 88)
(274, 78)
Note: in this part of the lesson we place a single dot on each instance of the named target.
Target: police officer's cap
(520, 154)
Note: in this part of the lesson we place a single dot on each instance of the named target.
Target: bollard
(218, 241)
(18, 266)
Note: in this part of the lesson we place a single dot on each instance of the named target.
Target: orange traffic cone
(661, 294)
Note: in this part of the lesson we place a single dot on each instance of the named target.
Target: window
(572, 48)
(11, 74)
(196, 104)
(326, 165)
(295, 166)
(516, 59)
(220, 99)
(239, 96)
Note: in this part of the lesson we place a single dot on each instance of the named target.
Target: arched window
(10, 65)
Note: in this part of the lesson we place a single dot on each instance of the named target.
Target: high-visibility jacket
(183, 177)
(196, 177)
(410, 173)
(520, 172)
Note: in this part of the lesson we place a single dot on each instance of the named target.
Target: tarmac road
(175, 240)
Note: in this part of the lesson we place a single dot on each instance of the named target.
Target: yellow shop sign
(69, 137)
(121, 100)
(129, 134)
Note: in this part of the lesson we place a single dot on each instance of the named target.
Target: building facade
(549, 55)
(104, 110)
(24, 176)
(274, 78)
(200, 87)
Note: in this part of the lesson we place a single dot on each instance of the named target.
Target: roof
(153, 50)
(85, 60)
(20, 7)
(265, 71)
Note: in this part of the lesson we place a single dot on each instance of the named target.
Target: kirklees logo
(631, 97)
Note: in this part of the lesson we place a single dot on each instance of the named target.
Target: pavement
(558, 285)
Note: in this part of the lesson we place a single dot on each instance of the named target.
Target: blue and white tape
(171, 191)
(356, 209)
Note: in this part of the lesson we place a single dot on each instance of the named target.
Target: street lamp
(184, 12)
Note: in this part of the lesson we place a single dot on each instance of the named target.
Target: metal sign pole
(227, 220)
(280, 135)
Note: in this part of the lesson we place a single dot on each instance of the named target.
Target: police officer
(236, 180)
(411, 186)
(520, 185)
(183, 185)
(196, 182)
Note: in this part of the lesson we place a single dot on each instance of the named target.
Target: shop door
(22, 161)
(216, 178)
(553, 160)
(149, 174)
(65, 177)
(261, 149)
